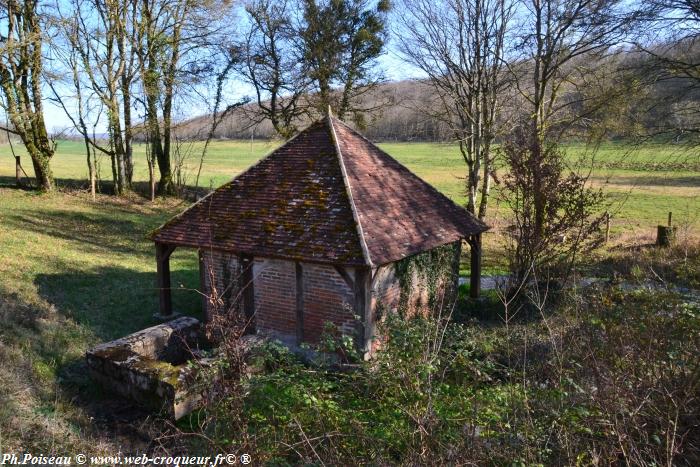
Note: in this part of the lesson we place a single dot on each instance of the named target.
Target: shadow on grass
(685, 181)
(45, 375)
(109, 302)
(113, 302)
(95, 231)
(105, 187)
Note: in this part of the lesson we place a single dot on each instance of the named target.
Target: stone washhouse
(319, 232)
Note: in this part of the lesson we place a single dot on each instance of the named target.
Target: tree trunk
(18, 171)
(128, 135)
(42, 169)
(485, 188)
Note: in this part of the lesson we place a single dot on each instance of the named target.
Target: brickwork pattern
(223, 271)
(327, 297)
(275, 296)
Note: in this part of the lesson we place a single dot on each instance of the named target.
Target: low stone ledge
(150, 366)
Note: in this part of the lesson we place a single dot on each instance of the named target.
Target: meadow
(642, 182)
(75, 272)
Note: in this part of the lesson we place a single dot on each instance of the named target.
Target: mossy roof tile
(305, 200)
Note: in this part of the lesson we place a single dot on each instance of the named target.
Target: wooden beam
(163, 252)
(346, 277)
(456, 264)
(204, 290)
(475, 270)
(300, 301)
(248, 284)
(375, 274)
(363, 278)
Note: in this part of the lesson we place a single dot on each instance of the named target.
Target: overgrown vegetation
(610, 374)
(547, 388)
(434, 268)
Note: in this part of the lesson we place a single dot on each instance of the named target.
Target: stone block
(150, 366)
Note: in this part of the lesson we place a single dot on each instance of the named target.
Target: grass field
(643, 183)
(74, 272)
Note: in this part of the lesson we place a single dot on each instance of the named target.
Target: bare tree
(554, 33)
(176, 39)
(572, 213)
(96, 56)
(674, 61)
(268, 58)
(21, 67)
(460, 45)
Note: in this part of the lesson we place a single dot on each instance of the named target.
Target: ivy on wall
(434, 268)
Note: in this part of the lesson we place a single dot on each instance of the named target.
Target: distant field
(643, 183)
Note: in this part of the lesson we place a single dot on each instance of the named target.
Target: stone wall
(150, 366)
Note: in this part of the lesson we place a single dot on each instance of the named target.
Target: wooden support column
(457, 260)
(346, 277)
(204, 288)
(163, 253)
(248, 292)
(300, 301)
(475, 272)
(363, 278)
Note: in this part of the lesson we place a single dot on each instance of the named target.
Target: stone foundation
(150, 366)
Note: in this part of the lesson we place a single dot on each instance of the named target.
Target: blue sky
(394, 70)
(390, 63)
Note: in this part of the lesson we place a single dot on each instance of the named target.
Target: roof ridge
(348, 189)
(415, 176)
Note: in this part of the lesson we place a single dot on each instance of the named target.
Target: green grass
(74, 272)
(641, 195)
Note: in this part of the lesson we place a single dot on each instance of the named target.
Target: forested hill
(399, 114)
(638, 98)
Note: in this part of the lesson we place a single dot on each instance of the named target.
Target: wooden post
(163, 253)
(363, 278)
(300, 301)
(666, 234)
(204, 288)
(248, 284)
(457, 262)
(475, 271)
(18, 171)
(607, 226)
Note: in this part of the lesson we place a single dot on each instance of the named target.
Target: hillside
(626, 100)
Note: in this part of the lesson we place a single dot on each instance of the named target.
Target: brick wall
(223, 271)
(386, 293)
(275, 297)
(327, 298)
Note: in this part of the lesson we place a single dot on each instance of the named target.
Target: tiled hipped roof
(329, 196)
